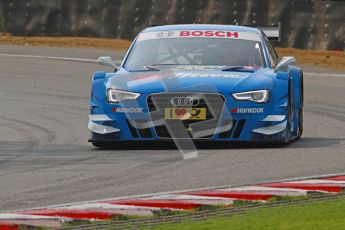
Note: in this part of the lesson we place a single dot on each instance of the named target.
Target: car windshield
(195, 51)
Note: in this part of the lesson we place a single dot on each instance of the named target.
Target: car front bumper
(239, 121)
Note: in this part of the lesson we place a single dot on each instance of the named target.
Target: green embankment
(323, 215)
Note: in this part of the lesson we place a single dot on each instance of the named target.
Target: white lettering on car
(251, 36)
(128, 110)
(247, 110)
(205, 75)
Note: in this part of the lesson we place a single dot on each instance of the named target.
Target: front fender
(296, 76)
(97, 92)
(280, 90)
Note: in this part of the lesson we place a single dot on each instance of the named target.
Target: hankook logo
(185, 101)
(247, 110)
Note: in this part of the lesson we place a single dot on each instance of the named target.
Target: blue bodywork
(270, 124)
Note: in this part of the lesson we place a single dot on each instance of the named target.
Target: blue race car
(198, 82)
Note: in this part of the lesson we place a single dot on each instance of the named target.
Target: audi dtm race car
(198, 82)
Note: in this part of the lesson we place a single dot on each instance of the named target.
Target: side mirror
(284, 64)
(107, 61)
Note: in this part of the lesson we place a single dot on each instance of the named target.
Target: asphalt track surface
(45, 158)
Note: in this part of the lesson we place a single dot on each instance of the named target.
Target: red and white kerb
(199, 34)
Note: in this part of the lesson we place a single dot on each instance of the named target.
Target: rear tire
(300, 113)
(300, 123)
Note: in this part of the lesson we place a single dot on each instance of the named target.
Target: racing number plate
(185, 113)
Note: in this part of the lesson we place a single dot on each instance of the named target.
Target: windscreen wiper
(164, 64)
(150, 68)
(143, 68)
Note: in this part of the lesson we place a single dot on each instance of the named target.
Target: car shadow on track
(307, 142)
(316, 142)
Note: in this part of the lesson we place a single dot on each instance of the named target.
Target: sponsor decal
(165, 34)
(127, 110)
(185, 113)
(144, 79)
(201, 33)
(185, 101)
(210, 75)
(199, 67)
(247, 110)
(149, 78)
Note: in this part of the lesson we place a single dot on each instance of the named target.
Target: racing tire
(300, 112)
(101, 144)
(287, 139)
(300, 123)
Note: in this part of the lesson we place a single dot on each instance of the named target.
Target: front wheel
(287, 139)
(101, 144)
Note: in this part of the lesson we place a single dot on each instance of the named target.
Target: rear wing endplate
(273, 32)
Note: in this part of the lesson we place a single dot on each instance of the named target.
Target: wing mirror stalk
(284, 63)
(107, 61)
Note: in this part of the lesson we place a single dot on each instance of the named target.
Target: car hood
(191, 80)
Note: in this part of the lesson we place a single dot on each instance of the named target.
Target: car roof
(202, 27)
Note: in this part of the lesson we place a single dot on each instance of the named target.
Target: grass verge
(331, 59)
(327, 213)
(321, 215)
(77, 42)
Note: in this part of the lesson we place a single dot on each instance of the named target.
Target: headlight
(115, 96)
(259, 96)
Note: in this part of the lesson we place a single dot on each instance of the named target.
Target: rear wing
(273, 32)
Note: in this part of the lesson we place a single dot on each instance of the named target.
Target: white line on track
(325, 74)
(49, 58)
(85, 60)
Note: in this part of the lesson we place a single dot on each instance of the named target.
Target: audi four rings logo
(161, 34)
(185, 101)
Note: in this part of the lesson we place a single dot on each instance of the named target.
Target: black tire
(300, 115)
(101, 144)
(289, 115)
(300, 123)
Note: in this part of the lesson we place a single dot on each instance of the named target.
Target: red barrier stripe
(337, 178)
(6, 226)
(312, 187)
(176, 204)
(75, 214)
(233, 195)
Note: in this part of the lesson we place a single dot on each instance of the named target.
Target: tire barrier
(307, 24)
